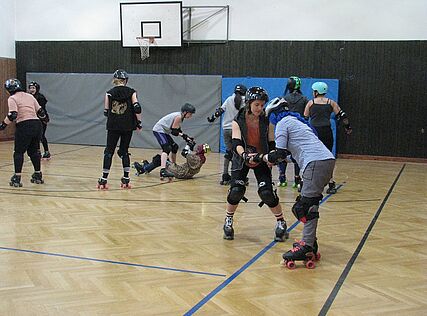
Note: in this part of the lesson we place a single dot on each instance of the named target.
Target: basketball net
(144, 45)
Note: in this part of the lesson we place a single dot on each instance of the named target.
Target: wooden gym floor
(157, 249)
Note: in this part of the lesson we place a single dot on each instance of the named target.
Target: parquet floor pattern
(67, 248)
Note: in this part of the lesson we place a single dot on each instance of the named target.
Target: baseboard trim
(383, 158)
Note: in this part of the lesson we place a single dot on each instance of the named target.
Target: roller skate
(228, 228)
(226, 178)
(282, 181)
(125, 183)
(298, 185)
(15, 181)
(102, 184)
(139, 168)
(301, 252)
(46, 155)
(166, 174)
(37, 178)
(297, 182)
(331, 188)
(281, 233)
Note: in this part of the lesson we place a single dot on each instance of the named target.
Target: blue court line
(111, 261)
(196, 307)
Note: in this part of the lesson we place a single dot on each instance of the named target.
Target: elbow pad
(12, 115)
(175, 131)
(41, 114)
(137, 108)
(277, 155)
(236, 142)
(219, 112)
(341, 115)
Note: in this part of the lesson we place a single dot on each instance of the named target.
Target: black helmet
(240, 89)
(189, 108)
(256, 93)
(13, 85)
(121, 74)
(34, 84)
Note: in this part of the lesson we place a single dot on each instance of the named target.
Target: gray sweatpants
(315, 177)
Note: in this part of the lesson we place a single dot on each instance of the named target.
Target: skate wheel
(317, 256)
(310, 264)
(290, 265)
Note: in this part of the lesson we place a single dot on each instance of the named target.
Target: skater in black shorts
(27, 113)
(250, 140)
(123, 112)
(319, 111)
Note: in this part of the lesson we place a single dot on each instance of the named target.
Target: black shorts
(324, 133)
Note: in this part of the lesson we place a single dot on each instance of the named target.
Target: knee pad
(228, 155)
(175, 148)
(157, 160)
(167, 148)
(122, 154)
(33, 152)
(236, 192)
(108, 153)
(306, 208)
(268, 194)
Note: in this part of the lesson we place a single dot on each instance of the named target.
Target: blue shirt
(299, 139)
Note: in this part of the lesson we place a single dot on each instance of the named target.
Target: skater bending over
(295, 137)
(229, 110)
(34, 89)
(167, 126)
(250, 141)
(123, 112)
(27, 113)
(319, 110)
(194, 161)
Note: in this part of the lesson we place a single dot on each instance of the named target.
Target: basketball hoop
(144, 45)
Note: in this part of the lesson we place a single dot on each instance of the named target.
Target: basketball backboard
(160, 20)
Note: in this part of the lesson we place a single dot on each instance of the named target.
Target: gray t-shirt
(300, 140)
(230, 112)
(165, 123)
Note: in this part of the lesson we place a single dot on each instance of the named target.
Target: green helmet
(294, 82)
(320, 87)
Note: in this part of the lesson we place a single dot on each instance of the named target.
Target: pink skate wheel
(310, 264)
(317, 256)
(290, 265)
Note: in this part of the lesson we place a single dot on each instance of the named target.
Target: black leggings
(324, 133)
(112, 140)
(262, 173)
(44, 140)
(27, 139)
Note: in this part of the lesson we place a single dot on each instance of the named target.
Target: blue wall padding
(275, 88)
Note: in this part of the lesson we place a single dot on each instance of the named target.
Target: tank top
(121, 115)
(320, 114)
(165, 123)
(253, 134)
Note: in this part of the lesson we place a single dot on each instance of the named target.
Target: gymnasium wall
(382, 83)
(76, 104)
(376, 49)
(7, 70)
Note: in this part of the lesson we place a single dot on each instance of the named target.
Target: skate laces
(298, 245)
